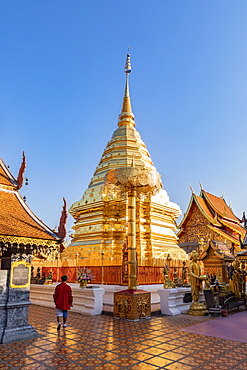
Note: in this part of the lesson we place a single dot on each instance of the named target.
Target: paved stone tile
(4, 366)
(21, 361)
(158, 361)
(102, 342)
(143, 366)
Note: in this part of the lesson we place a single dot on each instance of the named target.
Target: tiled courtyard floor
(102, 342)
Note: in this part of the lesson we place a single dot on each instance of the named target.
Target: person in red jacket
(63, 299)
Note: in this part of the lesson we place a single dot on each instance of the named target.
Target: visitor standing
(63, 299)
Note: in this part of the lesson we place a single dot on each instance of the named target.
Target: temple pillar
(132, 304)
(14, 297)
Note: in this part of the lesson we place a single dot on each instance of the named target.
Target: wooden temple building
(210, 227)
(99, 241)
(20, 229)
(22, 236)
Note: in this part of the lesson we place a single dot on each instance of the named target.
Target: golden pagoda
(100, 237)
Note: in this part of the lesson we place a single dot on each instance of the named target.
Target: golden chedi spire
(100, 217)
(126, 117)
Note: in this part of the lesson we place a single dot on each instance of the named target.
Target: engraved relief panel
(196, 227)
(218, 237)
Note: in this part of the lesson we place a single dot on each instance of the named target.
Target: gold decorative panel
(132, 304)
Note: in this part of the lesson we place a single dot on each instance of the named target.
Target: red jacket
(63, 297)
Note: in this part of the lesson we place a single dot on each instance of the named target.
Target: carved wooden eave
(206, 247)
(242, 253)
(221, 254)
(10, 239)
(234, 226)
(203, 255)
(225, 235)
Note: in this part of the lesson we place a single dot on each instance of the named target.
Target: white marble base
(85, 301)
(111, 289)
(171, 301)
(42, 295)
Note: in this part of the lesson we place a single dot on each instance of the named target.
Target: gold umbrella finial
(127, 68)
(126, 117)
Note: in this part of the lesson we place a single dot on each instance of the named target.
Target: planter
(83, 284)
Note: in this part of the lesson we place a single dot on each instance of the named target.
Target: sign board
(20, 274)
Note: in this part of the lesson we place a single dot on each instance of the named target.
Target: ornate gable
(195, 226)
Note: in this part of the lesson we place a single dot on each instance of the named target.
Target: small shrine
(216, 257)
(22, 235)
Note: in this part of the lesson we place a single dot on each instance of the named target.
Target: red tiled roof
(220, 206)
(232, 225)
(16, 219)
(4, 177)
(220, 216)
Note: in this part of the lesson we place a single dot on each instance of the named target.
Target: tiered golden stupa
(100, 237)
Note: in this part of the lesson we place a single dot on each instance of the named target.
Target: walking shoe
(58, 327)
(64, 325)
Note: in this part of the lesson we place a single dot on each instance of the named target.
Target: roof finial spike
(201, 186)
(127, 68)
(192, 189)
(126, 117)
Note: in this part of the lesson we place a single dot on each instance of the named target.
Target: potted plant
(84, 276)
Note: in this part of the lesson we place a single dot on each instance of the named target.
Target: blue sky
(62, 82)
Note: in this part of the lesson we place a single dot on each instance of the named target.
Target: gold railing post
(57, 268)
(102, 267)
(132, 238)
(76, 266)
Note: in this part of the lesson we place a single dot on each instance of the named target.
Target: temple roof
(220, 206)
(16, 219)
(6, 178)
(220, 250)
(218, 213)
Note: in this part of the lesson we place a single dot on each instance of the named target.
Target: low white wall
(172, 301)
(90, 301)
(85, 301)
